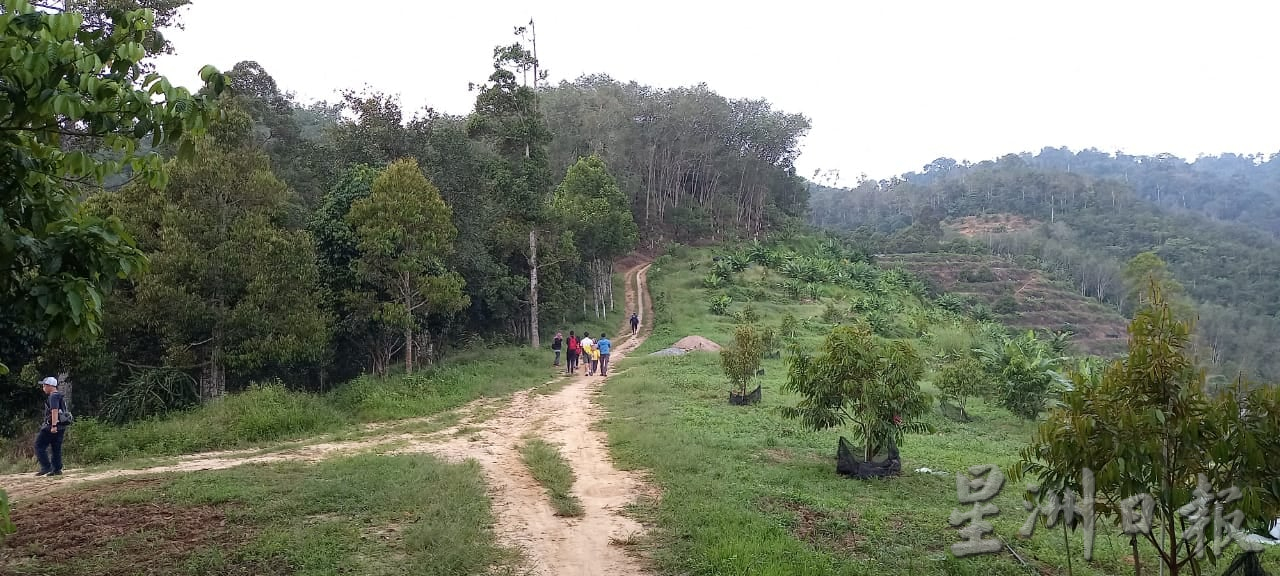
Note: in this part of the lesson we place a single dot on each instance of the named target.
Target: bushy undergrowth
(262, 413)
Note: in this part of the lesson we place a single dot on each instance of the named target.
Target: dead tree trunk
(533, 288)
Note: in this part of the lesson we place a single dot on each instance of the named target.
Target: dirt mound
(691, 343)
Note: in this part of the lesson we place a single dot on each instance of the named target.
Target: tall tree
(337, 248)
(596, 210)
(69, 83)
(405, 235)
(508, 117)
(1140, 271)
(231, 288)
(99, 15)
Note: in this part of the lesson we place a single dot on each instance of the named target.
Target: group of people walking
(595, 352)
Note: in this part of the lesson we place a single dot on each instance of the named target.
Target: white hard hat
(49, 381)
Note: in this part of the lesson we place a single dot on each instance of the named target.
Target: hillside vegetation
(748, 490)
(1085, 229)
(1020, 297)
(308, 244)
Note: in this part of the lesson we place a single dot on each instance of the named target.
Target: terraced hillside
(1020, 296)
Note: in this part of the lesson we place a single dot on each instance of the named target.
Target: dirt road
(525, 520)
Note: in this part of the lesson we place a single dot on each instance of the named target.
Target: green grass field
(746, 491)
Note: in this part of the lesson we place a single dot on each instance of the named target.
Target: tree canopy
(77, 102)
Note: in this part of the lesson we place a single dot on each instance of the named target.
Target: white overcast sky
(888, 84)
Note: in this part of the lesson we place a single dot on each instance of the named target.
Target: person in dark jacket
(635, 323)
(555, 346)
(49, 438)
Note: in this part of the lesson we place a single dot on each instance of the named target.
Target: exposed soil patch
(990, 224)
(819, 528)
(115, 538)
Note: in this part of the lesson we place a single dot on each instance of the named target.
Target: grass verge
(268, 414)
(552, 471)
(371, 515)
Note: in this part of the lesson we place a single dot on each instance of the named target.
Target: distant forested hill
(1088, 214)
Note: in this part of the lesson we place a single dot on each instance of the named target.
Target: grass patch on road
(555, 475)
(376, 515)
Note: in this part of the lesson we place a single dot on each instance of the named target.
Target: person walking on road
(49, 438)
(587, 346)
(595, 359)
(555, 346)
(635, 323)
(571, 356)
(605, 347)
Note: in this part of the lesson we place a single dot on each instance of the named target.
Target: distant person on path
(605, 347)
(571, 356)
(555, 346)
(635, 323)
(49, 439)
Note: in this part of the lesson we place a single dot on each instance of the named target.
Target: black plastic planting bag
(1246, 564)
(850, 463)
(752, 398)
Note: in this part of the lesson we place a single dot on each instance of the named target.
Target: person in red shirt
(571, 357)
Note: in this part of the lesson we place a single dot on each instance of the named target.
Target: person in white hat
(49, 439)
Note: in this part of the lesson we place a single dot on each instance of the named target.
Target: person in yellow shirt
(587, 346)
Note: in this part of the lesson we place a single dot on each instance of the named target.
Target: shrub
(951, 342)
(789, 328)
(1006, 304)
(832, 315)
(720, 304)
(813, 291)
(981, 313)
(771, 343)
(741, 360)
(951, 303)
(961, 379)
(793, 289)
(979, 274)
(150, 392)
(887, 325)
(1025, 374)
(6, 525)
(747, 315)
(856, 378)
(722, 268)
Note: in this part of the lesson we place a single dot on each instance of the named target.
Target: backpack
(65, 418)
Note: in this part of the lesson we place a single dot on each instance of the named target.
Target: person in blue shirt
(49, 439)
(605, 347)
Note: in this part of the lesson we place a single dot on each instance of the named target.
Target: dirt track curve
(525, 520)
